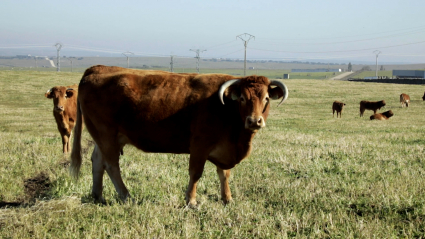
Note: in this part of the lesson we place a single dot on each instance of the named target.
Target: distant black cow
(337, 106)
(371, 105)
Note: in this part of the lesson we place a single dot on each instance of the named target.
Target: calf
(404, 100)
(382, 116)
(337, 106)
(64, 111)
(371, 105)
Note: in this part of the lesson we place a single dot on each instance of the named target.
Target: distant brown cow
(371, 105)
(382, 116)
(337, 106)
(64, 111)
(404, 100)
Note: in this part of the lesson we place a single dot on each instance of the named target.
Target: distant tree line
(271, 61)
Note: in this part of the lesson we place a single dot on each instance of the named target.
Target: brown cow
(337, 106)
(382, 116)
(64, 111)
(371, 105)
(209, 116)
(404, 100)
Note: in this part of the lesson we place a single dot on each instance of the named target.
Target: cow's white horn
(283, 87)
(223, 88)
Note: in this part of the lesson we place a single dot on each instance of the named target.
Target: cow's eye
(242, 99)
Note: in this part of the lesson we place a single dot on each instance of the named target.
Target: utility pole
(172, 64)
(71, 62)
(376, 70)
(127, 54)
(245, 38)
(35, 57)
(58, 49)
(197, 51)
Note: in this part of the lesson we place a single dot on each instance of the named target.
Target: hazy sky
(284, 30)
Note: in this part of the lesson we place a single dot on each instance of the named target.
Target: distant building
(316, 70)
(408, 74)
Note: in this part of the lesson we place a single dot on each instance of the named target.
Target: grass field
(309, 176)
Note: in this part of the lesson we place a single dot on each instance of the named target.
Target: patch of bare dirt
(35, 187)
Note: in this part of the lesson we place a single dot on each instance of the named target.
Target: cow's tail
(76, 159)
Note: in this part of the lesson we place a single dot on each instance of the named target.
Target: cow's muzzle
(254, 123)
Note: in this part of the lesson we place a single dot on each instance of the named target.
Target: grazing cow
(371, 105)
(423, 97)
(404, 100)
(209, 116)
(64, 111)
(382, 116)
(337, 106)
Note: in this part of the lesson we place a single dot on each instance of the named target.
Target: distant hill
(184, 63)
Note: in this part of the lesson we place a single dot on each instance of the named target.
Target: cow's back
(154, 110)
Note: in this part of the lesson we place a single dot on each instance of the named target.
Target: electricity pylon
(245, 38)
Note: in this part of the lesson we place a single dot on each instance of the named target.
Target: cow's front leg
(65, 143)
(224, 176)
(196, 168)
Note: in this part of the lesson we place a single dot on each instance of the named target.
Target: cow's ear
(275, 93)
(49, 94)
(233, 92)
(69, 93)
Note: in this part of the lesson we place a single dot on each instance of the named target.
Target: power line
(366, 49)
(351, 41)
(400, 31)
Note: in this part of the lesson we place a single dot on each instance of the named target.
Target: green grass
(309, 175)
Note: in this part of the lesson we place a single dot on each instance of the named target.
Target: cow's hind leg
(224, 176)
(109, 148)
(111, 157)
(98, 169)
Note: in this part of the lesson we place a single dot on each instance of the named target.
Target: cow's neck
(244, 143)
